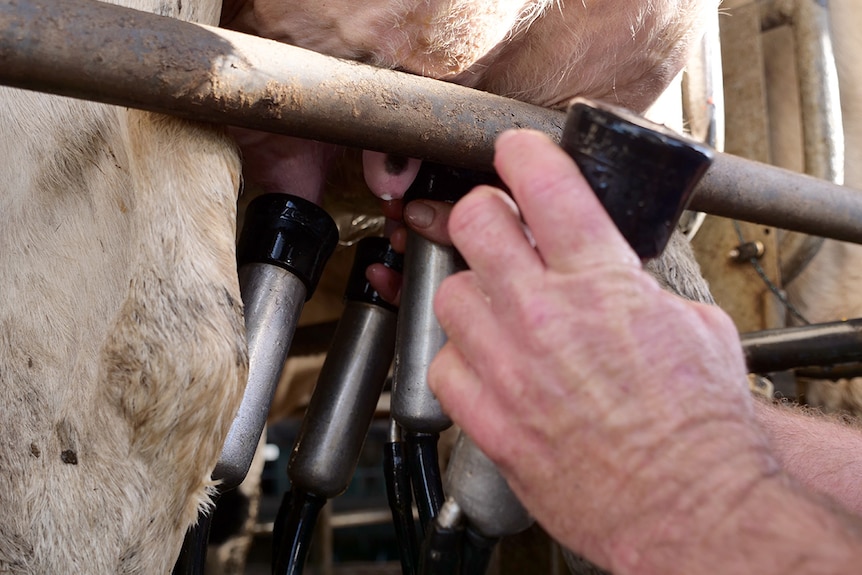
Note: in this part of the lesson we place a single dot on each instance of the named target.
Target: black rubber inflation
(193, 554)
(476, 552)
(289, 232)
(425, 476)
(441, 550)
(401, 504)
(294, 528)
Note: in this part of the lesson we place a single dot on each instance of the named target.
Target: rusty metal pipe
(88, 49)
(747, 190)
(107, 53)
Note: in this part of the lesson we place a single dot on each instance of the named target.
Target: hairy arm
(822, 453)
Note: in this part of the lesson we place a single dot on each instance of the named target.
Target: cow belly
(121, 336)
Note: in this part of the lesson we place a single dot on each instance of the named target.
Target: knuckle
(474, 212)
(447, 298)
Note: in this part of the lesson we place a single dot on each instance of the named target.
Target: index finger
(569, 224)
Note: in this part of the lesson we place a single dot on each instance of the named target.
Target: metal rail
(822, 344)
(107, 53)
(822, 125)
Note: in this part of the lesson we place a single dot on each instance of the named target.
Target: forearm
(777, 527)
(744, 515)
(824, 455)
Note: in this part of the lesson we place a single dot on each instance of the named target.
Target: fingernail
(395, 164)
(419, 214)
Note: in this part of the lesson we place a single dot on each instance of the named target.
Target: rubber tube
(425, 476)
(294, 528)
(401, 504)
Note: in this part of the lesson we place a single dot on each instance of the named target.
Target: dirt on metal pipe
(106, 53)
(747, 190)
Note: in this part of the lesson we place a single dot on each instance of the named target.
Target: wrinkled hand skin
(618, 412)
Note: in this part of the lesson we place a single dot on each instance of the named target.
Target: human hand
(389, 177)
(426, 217)
(618, 413)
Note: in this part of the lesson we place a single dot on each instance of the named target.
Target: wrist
(818, 451)
(695, 487)
(742, 515)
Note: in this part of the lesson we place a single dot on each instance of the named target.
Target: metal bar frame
(107, 53)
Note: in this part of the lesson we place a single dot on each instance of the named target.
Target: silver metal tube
(111, 54)
(482, 494)
(419, 336)
(822, 125)
(823, 132)
(342, 405)
(273, 299)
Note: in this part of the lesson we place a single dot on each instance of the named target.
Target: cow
(123, 357)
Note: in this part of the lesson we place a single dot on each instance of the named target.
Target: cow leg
(121, 329)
